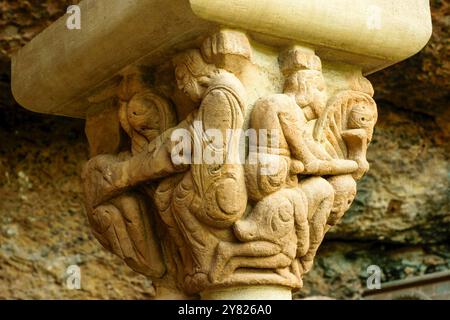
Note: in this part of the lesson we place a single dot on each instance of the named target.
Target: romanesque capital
(241, 189)
(225, 140)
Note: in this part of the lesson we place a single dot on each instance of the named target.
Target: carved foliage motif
(211, 225)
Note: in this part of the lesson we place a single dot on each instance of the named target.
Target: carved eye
(360, 117)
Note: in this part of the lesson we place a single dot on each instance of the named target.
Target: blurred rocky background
(400, 221)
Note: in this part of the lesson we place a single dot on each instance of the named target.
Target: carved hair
(297, 59)
(165, 110)
(348, 110)
(214, 53)
(226, 43)
(194, 62)
(360, 83)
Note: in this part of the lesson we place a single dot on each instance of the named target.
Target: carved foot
(330, 167)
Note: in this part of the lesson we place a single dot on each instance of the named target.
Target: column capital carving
(241, 190)
(225, 139)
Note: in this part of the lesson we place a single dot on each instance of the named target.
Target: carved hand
(103, 178)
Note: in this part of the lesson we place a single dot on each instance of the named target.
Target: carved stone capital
(240, 190)
(222, 156)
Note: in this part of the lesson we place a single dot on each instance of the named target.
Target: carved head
(309, 89)
(350, 110)
(344, 193)
(363, 115)
(132, 82)
(192, 73)
(147, 115)
(304, 79)
(143, 116)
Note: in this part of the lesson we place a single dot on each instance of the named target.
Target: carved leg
(320, 196)
(123, 227)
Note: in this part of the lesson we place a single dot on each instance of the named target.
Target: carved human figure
(345, 130)
(291, 117)
(125, 224)
(314, 139)
(198, 203)
(200, 206)
(276, 231)
(223, 223)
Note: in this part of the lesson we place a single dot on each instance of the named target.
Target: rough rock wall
(43, 228)
(400, 221)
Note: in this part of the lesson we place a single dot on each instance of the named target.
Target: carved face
(345, 192)
(309, 89)
(144, 118)
(270, 221)
(188, 83)
(363, 116)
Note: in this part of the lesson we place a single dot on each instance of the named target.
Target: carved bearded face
(193, 74)
(309, 89)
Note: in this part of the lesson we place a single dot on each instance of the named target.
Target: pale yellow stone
(370, 33)
(60, 68)
(249, 293)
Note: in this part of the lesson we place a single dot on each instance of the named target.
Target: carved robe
(208, 195)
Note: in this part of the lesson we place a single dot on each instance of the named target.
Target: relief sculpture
(166, 209)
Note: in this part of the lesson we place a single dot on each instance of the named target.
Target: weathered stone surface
(421, 83)
(418, 84)
(21, 21)
(406, 196)
(160, 27)
(214, 222)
